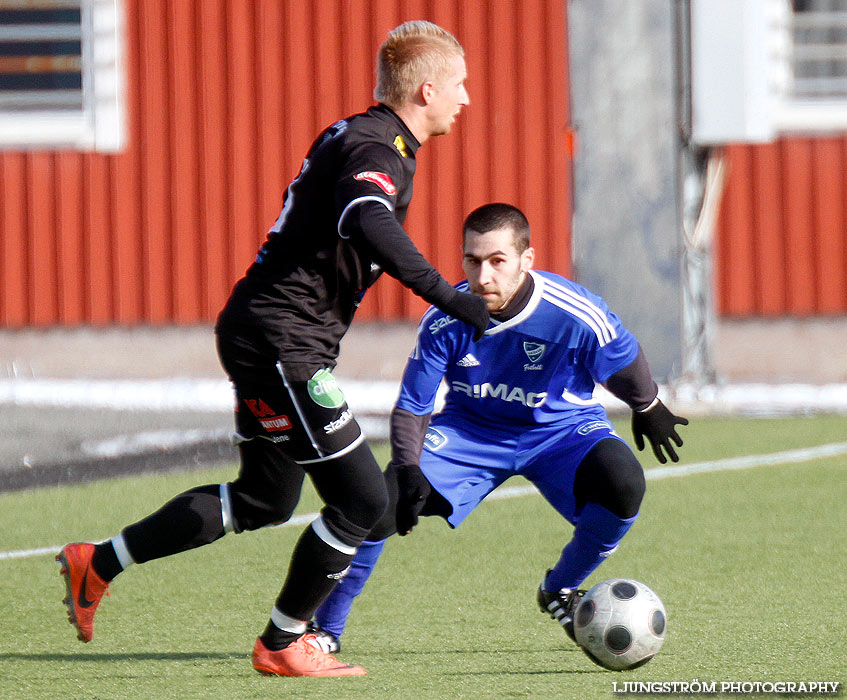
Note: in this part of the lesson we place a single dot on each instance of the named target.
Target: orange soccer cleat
(85, 587)
(302, 657)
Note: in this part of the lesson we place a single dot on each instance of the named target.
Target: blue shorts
(465, 462)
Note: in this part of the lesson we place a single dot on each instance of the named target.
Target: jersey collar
(409, 140)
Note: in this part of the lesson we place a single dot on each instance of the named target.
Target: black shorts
(297, 406)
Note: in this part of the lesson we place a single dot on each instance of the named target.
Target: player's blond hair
(413, 53)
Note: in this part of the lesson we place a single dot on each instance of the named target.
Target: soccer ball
(620, 624)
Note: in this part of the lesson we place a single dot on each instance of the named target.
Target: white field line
(370, 396)
(803, 454)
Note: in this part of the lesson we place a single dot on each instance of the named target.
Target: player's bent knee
(352, 518)
(387, 523)
(355, 492)
(611, 475)
(626, 489)
(630, 493)
(370, 503)
(267, 488)
(245, 510)
(345, 530)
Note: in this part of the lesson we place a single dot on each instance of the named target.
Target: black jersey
(311, 274)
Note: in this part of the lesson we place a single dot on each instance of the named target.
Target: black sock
(189, 520)
(105, 561)
(315, 570)
(275, 639)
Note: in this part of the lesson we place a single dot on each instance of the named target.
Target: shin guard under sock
(333, 612)
(192, 519)
(316, 567)
(596, 536)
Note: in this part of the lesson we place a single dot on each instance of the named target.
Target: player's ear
(527, 259)
(427, 91)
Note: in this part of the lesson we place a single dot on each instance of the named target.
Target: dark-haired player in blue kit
(519, 401)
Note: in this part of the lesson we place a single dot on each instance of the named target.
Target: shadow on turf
(500, 650)
(499, 672)
(144, 656)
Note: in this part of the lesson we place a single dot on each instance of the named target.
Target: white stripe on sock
(322, 531)
(289, 624)
(226, 509)
(124, 557)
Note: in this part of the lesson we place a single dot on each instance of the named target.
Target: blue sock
(333, 612)
(596, 535)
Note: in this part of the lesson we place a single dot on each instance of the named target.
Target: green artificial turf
(750, 565)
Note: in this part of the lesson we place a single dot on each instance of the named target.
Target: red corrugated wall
(224, 98)
(781, 244)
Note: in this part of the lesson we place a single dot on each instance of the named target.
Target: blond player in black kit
(278, 340)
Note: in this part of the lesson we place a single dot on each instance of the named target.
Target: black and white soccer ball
(620, 624)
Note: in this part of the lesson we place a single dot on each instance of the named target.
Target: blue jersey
(538, 368)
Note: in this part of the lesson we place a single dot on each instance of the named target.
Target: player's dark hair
(497, 215)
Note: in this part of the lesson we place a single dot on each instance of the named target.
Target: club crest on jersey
(534, 351)
(400, 145)
(384, 181)
(434, 438)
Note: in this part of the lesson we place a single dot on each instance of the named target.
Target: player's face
(493, 266)
(447, 98)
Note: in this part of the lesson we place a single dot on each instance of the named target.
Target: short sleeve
(606, 356)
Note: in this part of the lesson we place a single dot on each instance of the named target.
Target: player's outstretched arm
(371, 225)
(650, 417)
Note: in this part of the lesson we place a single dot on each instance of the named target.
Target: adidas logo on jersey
(468, 361)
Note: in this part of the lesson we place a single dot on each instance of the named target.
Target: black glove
(472, 310)
(659, 425)
(413, 490)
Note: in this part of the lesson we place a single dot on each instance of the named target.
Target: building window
(764, 68)
(62, 75)
(816, 98)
